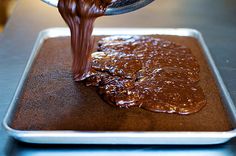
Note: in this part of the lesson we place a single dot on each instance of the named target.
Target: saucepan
(119, 7)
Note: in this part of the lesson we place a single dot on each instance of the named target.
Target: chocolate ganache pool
(147, 72)
(151, 73)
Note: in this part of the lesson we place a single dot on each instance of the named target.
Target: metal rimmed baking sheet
(122, 137)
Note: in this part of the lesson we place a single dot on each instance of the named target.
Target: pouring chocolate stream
(80, 16)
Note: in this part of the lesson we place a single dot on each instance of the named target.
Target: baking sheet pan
(119, 137)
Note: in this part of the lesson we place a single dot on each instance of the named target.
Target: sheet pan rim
(30, 136)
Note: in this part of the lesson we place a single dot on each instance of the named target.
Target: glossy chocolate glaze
(151, 73)
(80, 16)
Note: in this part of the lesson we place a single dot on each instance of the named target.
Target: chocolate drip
(80, 16)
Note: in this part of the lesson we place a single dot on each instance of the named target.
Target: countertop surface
(214, 18)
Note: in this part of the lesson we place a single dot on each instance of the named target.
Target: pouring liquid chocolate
(80, 16)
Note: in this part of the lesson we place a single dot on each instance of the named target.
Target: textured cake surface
(51, 100)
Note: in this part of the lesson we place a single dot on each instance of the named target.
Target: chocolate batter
(80, 16)
(151, 73)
